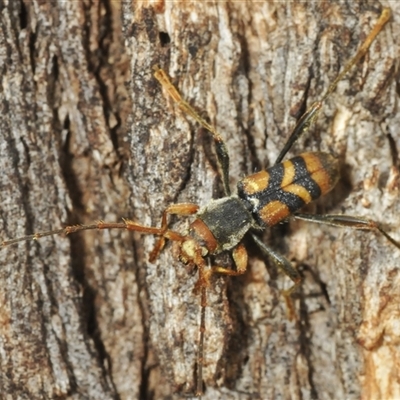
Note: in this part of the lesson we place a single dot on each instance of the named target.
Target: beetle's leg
(283, 264)
(239, 255)
(348, 221)
(184, 209)
(222, 152)
(311, 114)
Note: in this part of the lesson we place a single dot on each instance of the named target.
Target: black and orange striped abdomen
(283, 189)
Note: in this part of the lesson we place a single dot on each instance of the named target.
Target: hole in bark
(23, 16)
(164, 39)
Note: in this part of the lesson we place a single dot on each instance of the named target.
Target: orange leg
(185, 209)
(240, 257)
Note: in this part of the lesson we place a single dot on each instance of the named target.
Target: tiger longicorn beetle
(263, 200)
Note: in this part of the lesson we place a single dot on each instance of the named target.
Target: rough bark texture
(87, 134)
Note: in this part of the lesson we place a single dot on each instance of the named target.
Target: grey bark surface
(86, 133)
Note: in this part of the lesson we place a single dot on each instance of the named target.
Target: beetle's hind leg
(348, 221)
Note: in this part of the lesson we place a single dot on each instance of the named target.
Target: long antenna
(311, 114)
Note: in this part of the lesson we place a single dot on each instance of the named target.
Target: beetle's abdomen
(283, 189)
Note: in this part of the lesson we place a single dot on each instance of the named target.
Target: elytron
(263, 200)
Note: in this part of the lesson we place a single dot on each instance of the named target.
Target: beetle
(263, 200)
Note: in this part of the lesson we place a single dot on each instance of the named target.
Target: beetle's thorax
(222, 224)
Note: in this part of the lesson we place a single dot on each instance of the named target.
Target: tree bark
(87, 133)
